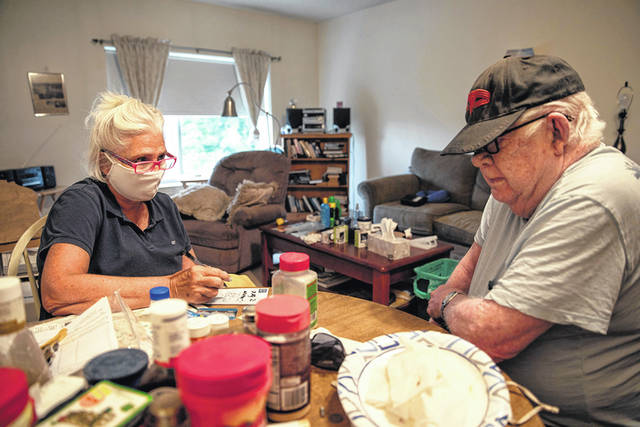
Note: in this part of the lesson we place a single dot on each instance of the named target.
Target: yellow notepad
(240, 281)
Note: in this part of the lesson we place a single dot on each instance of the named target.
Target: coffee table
(357, 263)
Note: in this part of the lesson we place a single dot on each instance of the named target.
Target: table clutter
(258, 368)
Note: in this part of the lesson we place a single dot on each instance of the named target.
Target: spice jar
(295, 278)
(224, 380)
(283, 321)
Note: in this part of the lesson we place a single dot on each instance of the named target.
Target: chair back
(257, 166)
(20, 250)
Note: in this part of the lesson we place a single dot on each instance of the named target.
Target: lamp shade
(229, 108)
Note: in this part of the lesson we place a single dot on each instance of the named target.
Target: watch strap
(446, 300)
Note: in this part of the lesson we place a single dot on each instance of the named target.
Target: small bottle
(158, 293)
(295, 278)
(338, 211)
(283, 321)
(199, 328)
(332, 214)
(219, 323)
(325, 213)
(169, 329)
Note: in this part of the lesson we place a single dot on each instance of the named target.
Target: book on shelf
(316, 203)
(307, 203)
(291, 204)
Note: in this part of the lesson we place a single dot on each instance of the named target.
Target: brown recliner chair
(236, 246)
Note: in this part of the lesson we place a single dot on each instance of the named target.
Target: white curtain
(142, 64)
(252, 67)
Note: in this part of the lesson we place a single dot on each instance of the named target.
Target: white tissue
(388, 226)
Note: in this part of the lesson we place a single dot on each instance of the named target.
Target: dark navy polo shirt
(87, 215)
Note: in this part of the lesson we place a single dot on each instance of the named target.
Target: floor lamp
(229, 108)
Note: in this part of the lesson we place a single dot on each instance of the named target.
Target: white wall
(54, 36)
(405, 67)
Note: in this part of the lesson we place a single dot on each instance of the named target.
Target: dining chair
(20, 250)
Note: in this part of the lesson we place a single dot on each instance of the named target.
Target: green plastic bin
(436, 273)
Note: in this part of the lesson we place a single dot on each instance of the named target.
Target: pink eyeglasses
(143, 167)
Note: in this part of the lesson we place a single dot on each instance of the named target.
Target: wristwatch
(446, 300)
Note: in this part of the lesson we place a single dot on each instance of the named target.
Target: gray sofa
(455, 221)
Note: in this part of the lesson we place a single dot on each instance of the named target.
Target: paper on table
(88, 335)
(239, 296)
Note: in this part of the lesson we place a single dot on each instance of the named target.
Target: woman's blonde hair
(113, 120)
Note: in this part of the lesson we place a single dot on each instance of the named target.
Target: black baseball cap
(505, 90)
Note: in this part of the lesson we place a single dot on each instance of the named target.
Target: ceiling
(314, 10)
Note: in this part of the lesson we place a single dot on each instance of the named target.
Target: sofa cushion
(213, 234)
(481, 193)
(459, 227)
(419, 218)
(249, 194)
(455, 174)
(203, 202)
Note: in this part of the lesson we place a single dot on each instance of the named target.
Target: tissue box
(391, 249)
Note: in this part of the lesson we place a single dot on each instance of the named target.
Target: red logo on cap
(477, 98)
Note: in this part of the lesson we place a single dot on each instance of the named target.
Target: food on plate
(423, 385)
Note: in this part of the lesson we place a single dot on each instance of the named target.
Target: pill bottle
(283, 321)
(158, 293)
(295, 278)
(224, 380)
(12, 314)
(219, 323)
(199, 328)
(166, 409)
(169, 329)
(16, 406)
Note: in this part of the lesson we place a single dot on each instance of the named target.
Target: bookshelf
(316, 159)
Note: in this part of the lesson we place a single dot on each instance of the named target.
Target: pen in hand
(198, 262)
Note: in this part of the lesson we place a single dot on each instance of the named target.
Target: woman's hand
(197, 284)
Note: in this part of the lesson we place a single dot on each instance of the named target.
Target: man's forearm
(500, 331)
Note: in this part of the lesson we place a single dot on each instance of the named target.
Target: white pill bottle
(295, 278)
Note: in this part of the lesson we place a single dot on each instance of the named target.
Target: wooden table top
(362, 320)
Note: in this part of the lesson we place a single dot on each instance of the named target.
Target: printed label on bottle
(291, 385)
(170, 337)
(312, 297)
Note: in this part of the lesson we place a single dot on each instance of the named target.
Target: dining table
(362, 320)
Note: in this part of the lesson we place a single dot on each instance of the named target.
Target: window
(191, 100)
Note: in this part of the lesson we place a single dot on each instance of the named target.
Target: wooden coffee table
(357, 263)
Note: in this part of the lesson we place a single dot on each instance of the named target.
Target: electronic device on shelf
(36, 177)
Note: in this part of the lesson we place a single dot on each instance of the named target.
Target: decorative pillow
(204, 202)
(249, 193)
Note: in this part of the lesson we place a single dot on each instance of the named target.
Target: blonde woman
(113, 230)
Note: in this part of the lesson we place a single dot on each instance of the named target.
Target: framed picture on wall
(48, 94)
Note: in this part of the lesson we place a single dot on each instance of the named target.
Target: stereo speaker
(342, 118)
(294, 118)
(48, 176)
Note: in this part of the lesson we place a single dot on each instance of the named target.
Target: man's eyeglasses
(494, 147)
(143, 167)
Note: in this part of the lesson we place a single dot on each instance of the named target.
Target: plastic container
(224, 380)
(158, 293)
(436, 272)
(283, 321)
(122, 366)
(295, 278)
(16, 406)
(12, 314)
(219, 323)
(169, 329)
(166, 409)
(199, 328)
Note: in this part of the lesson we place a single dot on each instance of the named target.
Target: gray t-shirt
(576, 263)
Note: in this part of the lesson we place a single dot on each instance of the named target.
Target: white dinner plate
(471, 371)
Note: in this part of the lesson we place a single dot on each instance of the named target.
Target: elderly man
(551, 286)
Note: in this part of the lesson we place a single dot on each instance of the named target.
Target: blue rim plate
(359, 365)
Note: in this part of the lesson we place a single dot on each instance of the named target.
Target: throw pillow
(203, 202)
(249, 193)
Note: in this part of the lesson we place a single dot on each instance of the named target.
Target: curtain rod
(196, 49)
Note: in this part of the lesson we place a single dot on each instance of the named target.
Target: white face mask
(133, 186)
